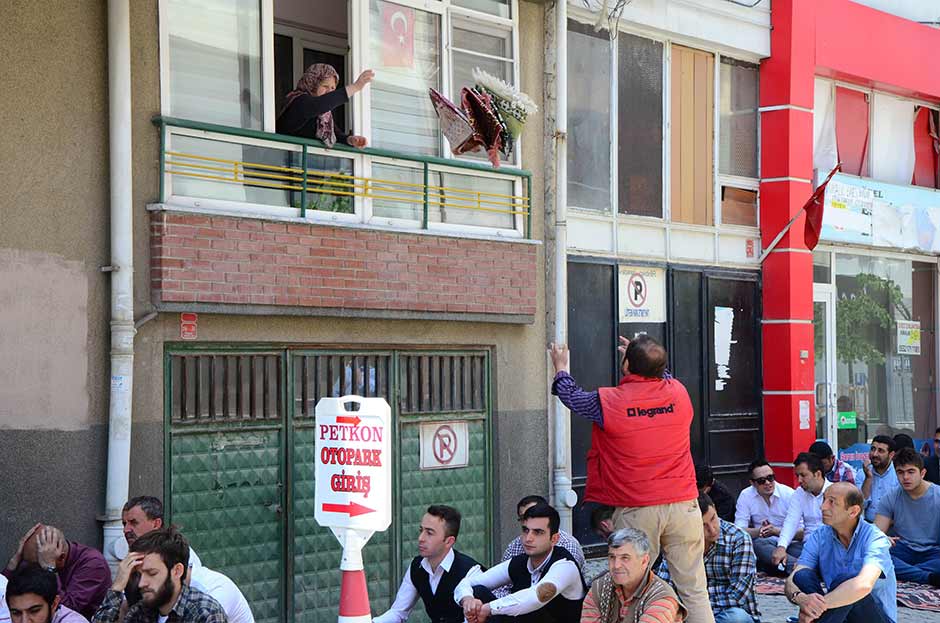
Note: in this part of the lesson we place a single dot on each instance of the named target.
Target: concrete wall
(53, 239)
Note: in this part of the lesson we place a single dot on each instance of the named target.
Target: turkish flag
(398, 36)
(814, 212)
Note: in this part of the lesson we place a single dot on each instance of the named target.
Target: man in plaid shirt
(835, 470)
(730, 565)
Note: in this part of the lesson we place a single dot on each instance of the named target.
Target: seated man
(83, 573)
(761, 511)
(913, 511)
(719, 494)
(602, 520)
(565, 540)
(435, 571)
(630, 591)
(880, 477)
(33, 595)
(144, 514)
(161, 558)
(805, 507)
(546, 582)
(851, 557)
(730, 566)
(834, 469)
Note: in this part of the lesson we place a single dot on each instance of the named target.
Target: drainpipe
(565, 497)
(122, 276)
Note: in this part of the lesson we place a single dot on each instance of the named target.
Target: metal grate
(211, 388)
(442, 383)
(316, 376)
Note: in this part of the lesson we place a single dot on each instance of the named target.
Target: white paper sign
(642, 294)
(804, 415)
(908, 337)
(445, 445)
(353, 464)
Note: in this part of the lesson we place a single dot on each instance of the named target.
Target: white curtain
(892, 145)
(825, 152)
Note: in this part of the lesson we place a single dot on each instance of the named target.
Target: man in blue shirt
(912, 511)
(880, 477)
(853, 558)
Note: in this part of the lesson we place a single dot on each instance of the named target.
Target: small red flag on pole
(814, 217)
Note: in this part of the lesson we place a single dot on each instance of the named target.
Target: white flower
(500, 88)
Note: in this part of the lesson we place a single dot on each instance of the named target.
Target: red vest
(641, 457)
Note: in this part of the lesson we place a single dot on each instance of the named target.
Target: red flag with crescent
(398, 37)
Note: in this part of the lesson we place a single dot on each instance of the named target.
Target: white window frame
(734, 181)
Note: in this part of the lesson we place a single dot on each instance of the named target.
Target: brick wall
(211, 259)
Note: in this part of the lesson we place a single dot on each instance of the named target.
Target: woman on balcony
(309, 108)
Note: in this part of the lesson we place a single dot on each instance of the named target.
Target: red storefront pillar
(786, 98)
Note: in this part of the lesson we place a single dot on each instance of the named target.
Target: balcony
(254, 222)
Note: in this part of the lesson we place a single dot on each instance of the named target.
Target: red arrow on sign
(352, 509)
(345, 419)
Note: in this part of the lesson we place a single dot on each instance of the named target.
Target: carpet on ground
(910, 595)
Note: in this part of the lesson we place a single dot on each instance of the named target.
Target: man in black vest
(547, 585)
(435, 572)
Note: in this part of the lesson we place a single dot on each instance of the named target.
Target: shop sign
(353, 463)
(642, 294)
(445, 445)
(847, 420)
(908, 337)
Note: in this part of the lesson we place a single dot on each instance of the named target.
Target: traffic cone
(354, 598)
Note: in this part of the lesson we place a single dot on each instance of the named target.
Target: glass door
(824, 357)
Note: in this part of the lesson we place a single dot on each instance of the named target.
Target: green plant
(861, 314)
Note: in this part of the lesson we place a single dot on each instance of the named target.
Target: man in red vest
(640, 460)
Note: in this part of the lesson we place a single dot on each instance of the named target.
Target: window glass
(822, 264)
(472, 200)
(215, 61)
(883, 372)
(738, 118)
(397, 192)
(589, 84)
(640, 125)
(500, 8)
(405, 54)
(852, 130)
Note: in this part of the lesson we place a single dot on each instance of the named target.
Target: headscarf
(307, 85)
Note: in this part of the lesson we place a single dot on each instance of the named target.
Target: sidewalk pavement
(776, 609)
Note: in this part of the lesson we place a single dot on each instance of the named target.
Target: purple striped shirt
(582, 403)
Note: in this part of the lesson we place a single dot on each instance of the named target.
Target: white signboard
(353, 463)
(908, 337)
(445, 445)
(642, 294)
(804, 415)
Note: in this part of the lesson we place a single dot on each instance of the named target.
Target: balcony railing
(204, 164)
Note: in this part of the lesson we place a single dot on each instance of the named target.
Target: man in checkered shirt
(730, 565)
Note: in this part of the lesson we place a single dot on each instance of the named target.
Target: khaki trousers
(676, 530)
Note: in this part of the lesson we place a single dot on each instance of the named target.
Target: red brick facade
(213, 259)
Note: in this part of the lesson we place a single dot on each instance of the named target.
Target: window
(589, 85)
(691, 149)
(640, 126)
(738, 119)
(852, 117)
(892, 153)
(926, 146)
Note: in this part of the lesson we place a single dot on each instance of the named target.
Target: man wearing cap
(835, 469)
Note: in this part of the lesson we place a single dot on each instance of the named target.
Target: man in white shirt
(4, 611)
(435, 572)
(805, 505)
(547, 585)
(761, 511)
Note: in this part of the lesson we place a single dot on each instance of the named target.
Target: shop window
(692, 120)
(640, 125)
(852, 121)
(926, 147)
(589, 85)
(738, 119)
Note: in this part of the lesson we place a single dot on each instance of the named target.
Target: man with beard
(161, 558)
(33, 597)
(880, 477)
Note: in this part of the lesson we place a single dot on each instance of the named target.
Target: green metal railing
(307, 181)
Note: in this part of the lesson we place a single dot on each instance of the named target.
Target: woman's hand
(357, 141)
(360, 83)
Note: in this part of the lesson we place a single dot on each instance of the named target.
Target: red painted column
(786, 99)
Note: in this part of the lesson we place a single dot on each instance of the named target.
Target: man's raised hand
(561, 358)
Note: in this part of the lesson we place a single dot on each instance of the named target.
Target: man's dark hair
(599, 514)
(531, 499)
(450, 515)
(888, 441)
(812, 461)
(646, 357)
(854, 497)
(936, 431)
(755, 464)
(705, 502)
(544, 510)
(902, 440)
(168, 543)
(152, 507)
(33, 579)
(908, 456)
(821, 449)
(703, 476)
